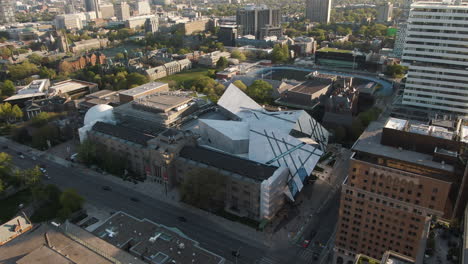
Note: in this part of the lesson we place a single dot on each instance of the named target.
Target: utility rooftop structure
(14, 228)
(155, 243)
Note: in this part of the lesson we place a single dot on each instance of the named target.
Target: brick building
(75, 64)
(402, 174)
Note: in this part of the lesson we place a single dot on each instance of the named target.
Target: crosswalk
(268, 260)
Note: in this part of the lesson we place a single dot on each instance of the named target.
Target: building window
(434, 190)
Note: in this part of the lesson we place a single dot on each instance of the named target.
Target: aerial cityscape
(233, 132)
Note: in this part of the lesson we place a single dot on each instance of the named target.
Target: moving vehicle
(305, 243)
(106, 188)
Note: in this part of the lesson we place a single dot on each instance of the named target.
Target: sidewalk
(153, 190)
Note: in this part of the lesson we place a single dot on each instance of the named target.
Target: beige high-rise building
(107, 10)
(122, 11)
(7, 11)
(318, 11)
(384, 12)
(402, 174)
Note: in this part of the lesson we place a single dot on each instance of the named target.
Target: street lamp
(354, 57)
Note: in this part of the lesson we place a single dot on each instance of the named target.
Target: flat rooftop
(369, 142)
(142, 88)
(419, 128)
(70, 86)
(312, 86)
(245, 167)
(24, 96)
(122, 132)
(163, 102)
(11, 229)
(154, 242)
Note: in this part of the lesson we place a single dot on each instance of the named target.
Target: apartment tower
(7, 11)
(93, 6)
(318, 11)
(259, 21)
(384, 12)
(436, 54)
(122, 11)
(402, 174)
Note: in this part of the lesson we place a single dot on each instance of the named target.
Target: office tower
(7, 11)
(68, 21)
(318, 11)
(436, 54)
(143, 7)
(259, 21)
(384, 12)
(227, 34)
(401, 175)
(93, 6)
(151, 24)
(107, 10)
(122, 11)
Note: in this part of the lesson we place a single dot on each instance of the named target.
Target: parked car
(182, 219)
(106, 188)
(134, 199)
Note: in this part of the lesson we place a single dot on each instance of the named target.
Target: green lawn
(335, 50)
(186, 75)
(9, 206)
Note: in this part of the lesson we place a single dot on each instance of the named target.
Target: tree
(222, 63)
(260, 91)
(46, 134)
(35, 58)
(5, 165)
(204, 188)
(119, 56)
(135, 79)
(2, 187)
(280, 54)
(22, 70)
(239, 84)
(8, 88)
(40, 119)
(9, 112)
(71, 200)
(396, 70)
(47, 73)
(238, 55)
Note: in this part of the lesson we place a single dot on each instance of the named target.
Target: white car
(21, 156)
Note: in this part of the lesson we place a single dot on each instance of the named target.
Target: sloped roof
(232, 129)
(235, 101)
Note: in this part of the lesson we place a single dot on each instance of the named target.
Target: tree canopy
(222, 63)
(22, 70)
(204, 188)
(239, 84)
(238, 55)
(9, 112)
(260, 91)
(280, 54)
(8, 88)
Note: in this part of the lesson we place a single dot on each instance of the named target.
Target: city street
(210, 234)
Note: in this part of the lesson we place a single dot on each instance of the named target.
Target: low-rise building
(211, 59)
(81, 62)
(73, 88)
(196, 25)
(107, 97)
(137, 21)
(172, 67)
(89, 44)
(142, 91)
(185, 64)
(156, 73)
(35, 89)
(153, 242)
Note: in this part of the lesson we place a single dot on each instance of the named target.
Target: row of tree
(94, 153)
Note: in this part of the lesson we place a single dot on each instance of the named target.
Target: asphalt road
(211, 235)
(208, 233)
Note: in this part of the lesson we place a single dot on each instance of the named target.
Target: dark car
(19, 153)
(235, 253)
(134, 199)
(106, 188)
(5, 147)
(182, 219)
